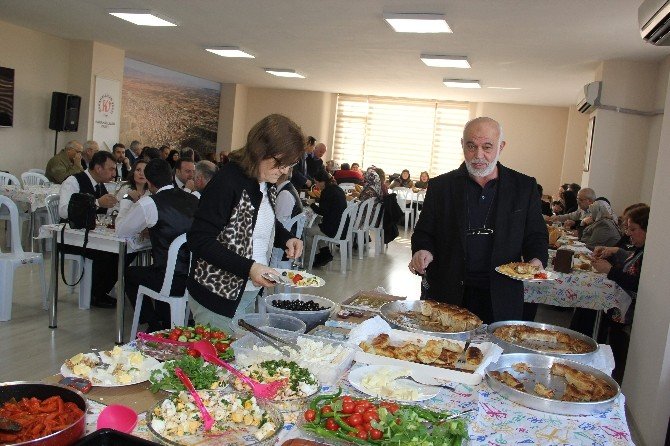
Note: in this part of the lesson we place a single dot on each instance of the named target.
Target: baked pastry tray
(540, 366)
(428, 374)
(509, 347)
(388, 311)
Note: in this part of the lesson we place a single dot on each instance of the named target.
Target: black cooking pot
(23, 389)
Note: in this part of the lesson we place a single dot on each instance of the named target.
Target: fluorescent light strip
(417, 23)
(461, 83)
(435, 60)
(142, 17)
(230, 51)
(283, 72)
(504, 88)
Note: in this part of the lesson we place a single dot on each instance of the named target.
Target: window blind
(399, 133)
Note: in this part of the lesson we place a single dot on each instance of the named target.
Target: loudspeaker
(64, 112)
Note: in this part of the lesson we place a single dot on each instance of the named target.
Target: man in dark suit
(315, 161)
(92, 181)
(167, 214)
(300, 177)
(122, 162)
(474, 219)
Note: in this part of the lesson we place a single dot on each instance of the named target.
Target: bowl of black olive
(312, 310)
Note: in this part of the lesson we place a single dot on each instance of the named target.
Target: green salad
(203, 375)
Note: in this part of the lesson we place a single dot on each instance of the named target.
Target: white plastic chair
(178, 304)
(405, 199)
(7, 179)
(420, 197)
(376, 228)
(347, 187)
(277, 253)
(40, 171)
(16, 258)
(362, 224)
(33, 179)
(80, 261)
(342, 239)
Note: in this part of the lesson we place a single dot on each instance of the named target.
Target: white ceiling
(549, 48)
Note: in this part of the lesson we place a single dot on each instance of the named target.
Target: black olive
(297, 305)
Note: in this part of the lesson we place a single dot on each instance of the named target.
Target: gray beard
(488, 170)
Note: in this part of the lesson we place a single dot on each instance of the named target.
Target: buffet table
(497, 421)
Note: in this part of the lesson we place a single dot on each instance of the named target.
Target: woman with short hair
(235, 227)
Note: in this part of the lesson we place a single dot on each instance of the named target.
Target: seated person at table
(331, 206)
(67, 162)
(90, 149)
(586, 197)
(346, 175)
(373, 186)
(287, 206)
(132, 190)
(570, 201)
(600, 230)
(557, 207)
(546, 205)
(623, 267)
(184, 172)
(122, 163)
(624, 242)
(102, 170)
(385, 183)
(167, 213)
(423, 180)
(204, 172)
(403, 180)
(151, 153)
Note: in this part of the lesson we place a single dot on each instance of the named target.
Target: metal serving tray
(541, 365)
(389, 308)
(509, 347)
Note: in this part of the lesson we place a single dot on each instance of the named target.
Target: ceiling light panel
(230, 51)
(143, 17)
(283, 72)
(437, 60)
(417, 23)
(461, 83)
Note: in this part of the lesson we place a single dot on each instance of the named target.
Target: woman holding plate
(235, 227)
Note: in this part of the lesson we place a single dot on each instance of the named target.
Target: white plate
(305, 275)
(356, 380)
(550, 276)
(107, 381)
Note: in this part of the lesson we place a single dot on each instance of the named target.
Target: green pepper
(340, 422)
(314, 404)
(351, 438)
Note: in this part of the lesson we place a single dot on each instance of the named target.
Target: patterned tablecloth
(580, 289)
(497, 420)
(34, 195)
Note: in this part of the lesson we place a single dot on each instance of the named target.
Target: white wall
(620, 142)
(42, 66)
(312, 110)
(575, 145)
(536, 138)
(646, 383)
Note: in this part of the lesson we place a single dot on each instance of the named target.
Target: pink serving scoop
(206, 417)
(202, 345)
(259, 390)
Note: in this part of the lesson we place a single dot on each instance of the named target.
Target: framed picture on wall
(589, 143)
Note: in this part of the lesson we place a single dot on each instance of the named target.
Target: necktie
(98, 190)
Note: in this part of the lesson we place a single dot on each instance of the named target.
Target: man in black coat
(474, 219)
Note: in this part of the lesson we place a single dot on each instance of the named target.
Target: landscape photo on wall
(162, 106)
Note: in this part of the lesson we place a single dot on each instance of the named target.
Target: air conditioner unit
(654, 19)
(591, 99)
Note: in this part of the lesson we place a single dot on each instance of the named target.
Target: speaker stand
(56, 143)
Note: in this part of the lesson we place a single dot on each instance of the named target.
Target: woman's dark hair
(382, 175)
(557, 203)
(403, 171)
(311, 140)
(634, 206)
(570, 199)
(151, 153)
(274, 136)
(574, 187)
(130, 178)
(345, 166)
(640, 216)
(169, 159)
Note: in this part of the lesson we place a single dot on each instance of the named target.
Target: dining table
(101, 238)
(33, 195)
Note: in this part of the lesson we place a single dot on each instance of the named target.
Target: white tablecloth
(34, 195)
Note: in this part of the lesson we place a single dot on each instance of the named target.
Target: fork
(259, 390)
(206, 417)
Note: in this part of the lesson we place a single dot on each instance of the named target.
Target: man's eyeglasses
(283, 166)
